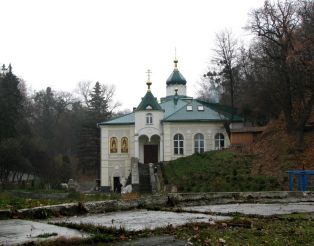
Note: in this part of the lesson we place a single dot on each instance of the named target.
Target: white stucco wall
(188, 130)
(115, 164)
(141, 128)
(150, 130)
(119, 164)
(170, 90)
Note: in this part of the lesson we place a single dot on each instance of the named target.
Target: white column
(137, 148)
(161, 150)
(104, 157)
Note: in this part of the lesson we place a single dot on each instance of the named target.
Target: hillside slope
(224, 170)
(260, 166)
(275, 152)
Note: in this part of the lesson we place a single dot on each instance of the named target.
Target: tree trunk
(288, 120)
(6, 176)
(302, 122)
(20, 177)
(300, 139)
(1, 175)
(227, 128)
(13, 177)
(27, 177)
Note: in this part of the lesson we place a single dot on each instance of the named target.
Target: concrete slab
(255, 209)
(16, 231)
(141, 219)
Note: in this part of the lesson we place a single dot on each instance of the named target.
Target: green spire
(149, 102)
(176, 78)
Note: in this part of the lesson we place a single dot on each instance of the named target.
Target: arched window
(178, 144)
(219, 141)
(113, 145)
(124, 145)
(149, 119)
(198, 143)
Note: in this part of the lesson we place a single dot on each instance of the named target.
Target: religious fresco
(113, 145)
(124, 145)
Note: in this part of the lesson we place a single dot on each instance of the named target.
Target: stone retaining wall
(183, 199)
(158, 202)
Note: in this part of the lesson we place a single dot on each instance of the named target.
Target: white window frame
(149, 119)
(189, 108)
(199, 146)
(219, 140)
(178, 144)
(200, 108)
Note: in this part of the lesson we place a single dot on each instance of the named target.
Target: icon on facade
(124, 145)
(113, 145)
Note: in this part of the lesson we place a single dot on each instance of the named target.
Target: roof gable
(149, 102)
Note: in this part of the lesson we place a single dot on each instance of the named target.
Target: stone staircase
(144, 178)
(129, 180)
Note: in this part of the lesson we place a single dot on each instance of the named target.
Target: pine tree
(98, 105)
(10, 103)
(89, 136)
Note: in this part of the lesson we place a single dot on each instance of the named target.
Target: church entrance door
(150, 153)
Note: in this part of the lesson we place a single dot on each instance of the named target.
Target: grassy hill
(224, 170)
(257, 167)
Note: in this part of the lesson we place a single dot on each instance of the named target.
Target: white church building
(160, 131)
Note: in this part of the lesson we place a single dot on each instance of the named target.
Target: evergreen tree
(89, 149)
(98, 104)
(45, 113)
(13, 158)
(10, 103)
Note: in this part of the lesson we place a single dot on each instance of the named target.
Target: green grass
(11, 200)
(216, 171)
(251, 231)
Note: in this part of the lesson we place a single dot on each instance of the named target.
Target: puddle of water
(255, 209)
(141, 219)
(20, 231)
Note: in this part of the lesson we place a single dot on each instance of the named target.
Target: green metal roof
(127, 119)
(175, 110)
(171, 107)
(149, 102)
(185, 115)
(176, 78)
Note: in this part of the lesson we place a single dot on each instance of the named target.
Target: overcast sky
(58, 43)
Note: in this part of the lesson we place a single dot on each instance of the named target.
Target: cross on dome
(149, 83)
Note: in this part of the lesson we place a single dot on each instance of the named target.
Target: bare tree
(84, 89)
(108, 93)
(209, 90)
(226, 59)
(277, 26)
(223, 78)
